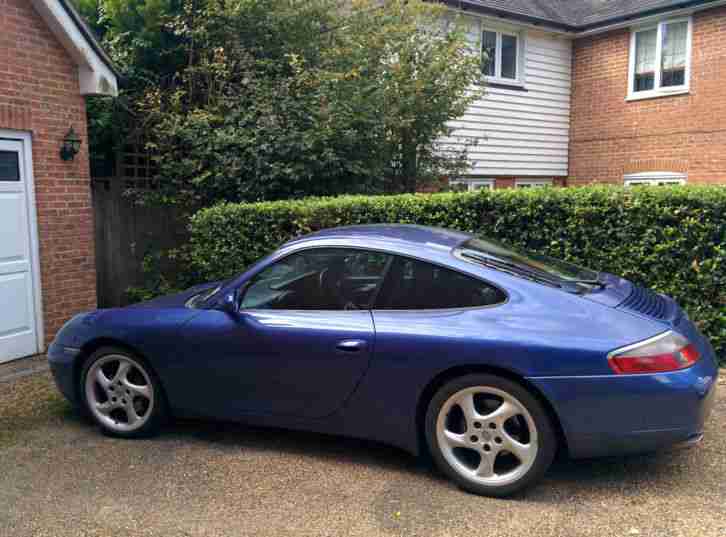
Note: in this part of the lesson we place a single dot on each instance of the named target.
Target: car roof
(393, 235)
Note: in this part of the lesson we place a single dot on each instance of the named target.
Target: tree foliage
(246, 100)
(145, 51)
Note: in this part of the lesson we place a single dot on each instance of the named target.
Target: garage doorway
(21, 332)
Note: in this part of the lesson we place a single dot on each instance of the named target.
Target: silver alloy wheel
(119, 393)
(489, 434)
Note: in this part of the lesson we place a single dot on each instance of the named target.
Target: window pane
(645, 47)
(483, 185)
(417, 285)
(9, 166)
(458, 186)
(673, 57)
(534, 185)
(488, 53)
(320, 279)
(509, 56)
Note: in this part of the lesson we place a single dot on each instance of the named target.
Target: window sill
(513, 86)
(656, 94)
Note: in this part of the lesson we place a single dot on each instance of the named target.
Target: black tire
(158, 411)
(547, 439)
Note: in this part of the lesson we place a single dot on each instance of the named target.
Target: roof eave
(96, 73)
(623, 21)
(583, 30)
(90, 36)
(466, 6)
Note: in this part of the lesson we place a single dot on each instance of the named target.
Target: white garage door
(18, 330)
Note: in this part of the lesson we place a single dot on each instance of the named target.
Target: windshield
(550, 269)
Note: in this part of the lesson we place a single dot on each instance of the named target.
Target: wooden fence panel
(125, 233)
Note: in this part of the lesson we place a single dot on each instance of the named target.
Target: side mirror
(230, 302)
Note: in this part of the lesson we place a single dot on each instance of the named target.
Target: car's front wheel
(489, 434)
(122, 394)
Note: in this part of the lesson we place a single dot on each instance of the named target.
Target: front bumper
(693, 441)
(619, 414)
(62, 360)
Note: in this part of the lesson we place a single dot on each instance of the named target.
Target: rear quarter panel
(538, 332)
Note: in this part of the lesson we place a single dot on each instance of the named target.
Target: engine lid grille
(645, 302)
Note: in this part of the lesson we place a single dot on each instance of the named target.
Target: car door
(300, 343)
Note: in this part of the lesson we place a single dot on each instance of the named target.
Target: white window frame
(655, 179)
(657, 90)
(519, 61)
(532, 183)
(472, 184)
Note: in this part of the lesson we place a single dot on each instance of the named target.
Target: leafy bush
(283, 99)
(672, 240)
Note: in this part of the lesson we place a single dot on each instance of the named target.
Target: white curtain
(645, 45)
(675, 37)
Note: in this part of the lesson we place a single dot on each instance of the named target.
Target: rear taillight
(667, 352)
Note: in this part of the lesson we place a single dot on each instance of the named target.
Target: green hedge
(669, 239)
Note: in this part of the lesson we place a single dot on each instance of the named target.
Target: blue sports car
(489, 359)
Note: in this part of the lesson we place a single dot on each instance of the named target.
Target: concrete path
(59, 476)
(23, 367)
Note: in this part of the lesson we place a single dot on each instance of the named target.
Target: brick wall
(687, 133)
(39, 93)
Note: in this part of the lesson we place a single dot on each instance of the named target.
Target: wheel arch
(91, 346)
(460, 370)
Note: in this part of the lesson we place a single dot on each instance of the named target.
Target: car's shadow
(239, 437)
(566, 475)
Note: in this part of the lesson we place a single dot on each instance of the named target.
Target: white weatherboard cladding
(522, 131)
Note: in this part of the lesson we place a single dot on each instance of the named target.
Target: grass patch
(27, 404)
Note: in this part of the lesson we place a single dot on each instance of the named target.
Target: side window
(417, 285)
(318, 279)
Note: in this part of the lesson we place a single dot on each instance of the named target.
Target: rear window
(528, 264)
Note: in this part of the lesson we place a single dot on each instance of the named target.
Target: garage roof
(97, 73)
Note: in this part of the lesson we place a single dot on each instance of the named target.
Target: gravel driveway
(59, 476)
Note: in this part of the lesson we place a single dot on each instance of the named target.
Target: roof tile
(575, 14)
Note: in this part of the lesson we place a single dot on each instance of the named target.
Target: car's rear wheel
(489, 434)
(122, 394)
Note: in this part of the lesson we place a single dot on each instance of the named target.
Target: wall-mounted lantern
(71, 145)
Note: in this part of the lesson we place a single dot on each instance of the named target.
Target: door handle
(351, 345)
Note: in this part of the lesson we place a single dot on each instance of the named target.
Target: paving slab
(23, 367)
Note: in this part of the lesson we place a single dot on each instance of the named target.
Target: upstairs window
(500, 56)
(660, 58)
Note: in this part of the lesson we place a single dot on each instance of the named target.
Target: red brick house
(597, 91)
(48, 62)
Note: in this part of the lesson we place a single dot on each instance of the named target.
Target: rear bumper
(620, 414)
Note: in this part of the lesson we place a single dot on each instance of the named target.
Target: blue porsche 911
(490, 359)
